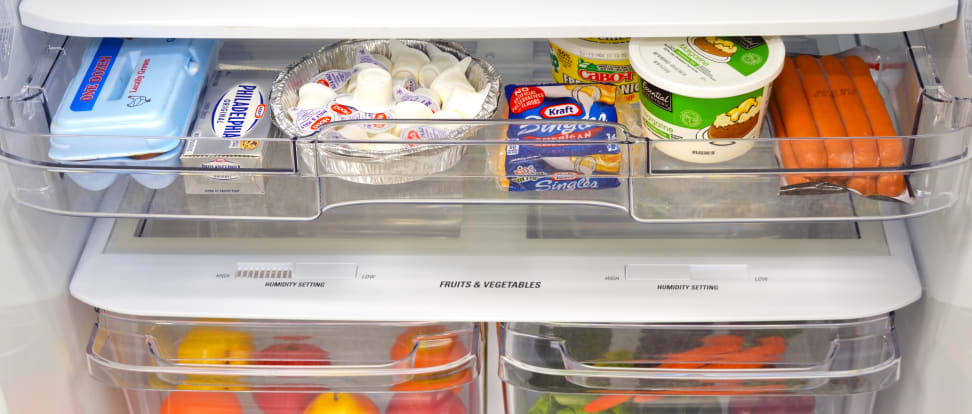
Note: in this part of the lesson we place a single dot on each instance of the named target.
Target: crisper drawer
(793, 368)
(180, 366)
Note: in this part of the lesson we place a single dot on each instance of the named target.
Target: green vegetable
(544, 405)
(571, 410)
(579, 400)
(625, 408)
(583, 344)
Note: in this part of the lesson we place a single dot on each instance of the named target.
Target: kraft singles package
(130, 87)
(233, 109)
(535, 161)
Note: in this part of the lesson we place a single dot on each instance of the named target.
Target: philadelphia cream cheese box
(234, 109)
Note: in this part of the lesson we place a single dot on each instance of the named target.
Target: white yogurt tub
(595, 60)
(710, 89)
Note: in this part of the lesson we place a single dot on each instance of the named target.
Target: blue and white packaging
(537, 155)
(97, 181)
(130, 87)
(535, 174)
(234, 109)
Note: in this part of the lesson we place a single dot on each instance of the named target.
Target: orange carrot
(768, 351)
(795, 111)
(891, 150)
(713, 346)
(840, 154)
(606, 402)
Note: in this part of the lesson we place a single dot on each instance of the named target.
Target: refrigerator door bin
(306, 177)
(281, 366)
(804, 367)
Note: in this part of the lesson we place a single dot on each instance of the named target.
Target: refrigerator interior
(355, 252)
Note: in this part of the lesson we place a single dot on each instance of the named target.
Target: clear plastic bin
(793, 368)
(169, 366)
(307, 177)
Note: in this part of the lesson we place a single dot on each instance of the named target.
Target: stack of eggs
(412, 84)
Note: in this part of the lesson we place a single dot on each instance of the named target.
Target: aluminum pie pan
(340, 55)
(404, 169)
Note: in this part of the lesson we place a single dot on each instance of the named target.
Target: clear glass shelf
(306, 177)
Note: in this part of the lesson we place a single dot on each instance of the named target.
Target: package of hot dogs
(835, 97)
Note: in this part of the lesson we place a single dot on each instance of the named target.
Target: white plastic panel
(934, 332)
(470, 19)
(42, 328)
(496, 272)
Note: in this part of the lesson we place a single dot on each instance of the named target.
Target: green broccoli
(544, 405)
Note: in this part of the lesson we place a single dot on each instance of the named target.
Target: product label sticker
(571, 68)
(237, 112)
(711, 60)
(561, 102)
(535, 174)
(96, 75)
(309, 120)
(669, 115)
(334, 78)
(364, 56)
(402, 95)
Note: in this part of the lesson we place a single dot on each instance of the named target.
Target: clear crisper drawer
(172, 366)
(797, 367)
(305, 177)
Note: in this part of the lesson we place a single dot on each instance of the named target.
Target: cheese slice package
(552, 156)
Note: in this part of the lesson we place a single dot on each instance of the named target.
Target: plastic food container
(595, 60)
(712, 89)
(168, 366)
(100, 181)
(734, 368)
(131, 88)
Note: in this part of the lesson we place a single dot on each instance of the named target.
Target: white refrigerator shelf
(485, 263)
(302, 19)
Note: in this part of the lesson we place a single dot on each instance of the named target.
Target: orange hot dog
(840, 154)
(855, 121)
(795, 111)
(779, 128)
(786, 150)
(891, 150)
